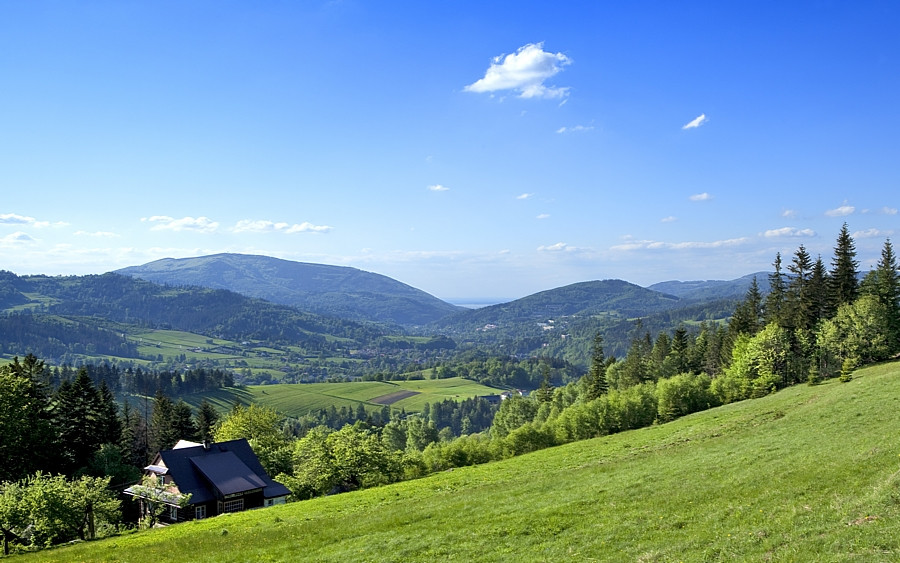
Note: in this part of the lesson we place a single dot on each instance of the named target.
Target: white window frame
(233, 505)
(200, 512)
(173, 512)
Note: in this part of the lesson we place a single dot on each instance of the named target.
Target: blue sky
(469, 149)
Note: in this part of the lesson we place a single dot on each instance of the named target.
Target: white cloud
(438, 188)
(558, 247)
(98, 234)
(524, 72)
(575, 129)
(696, 122)
(889, 210)
(250, 226)
(669, 219)
(14, 219)
(788, 213)
(700, 197)
(841, 211)
(524, 196)
(199, 224)
(17, 237)
(657, 245)
(789, 232)
(872, 233)
(543, 216)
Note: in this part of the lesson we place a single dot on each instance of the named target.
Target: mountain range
(336, 291)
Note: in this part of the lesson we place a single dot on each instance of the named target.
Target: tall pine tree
(844, 280)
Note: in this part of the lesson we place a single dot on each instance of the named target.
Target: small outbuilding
(219, 477)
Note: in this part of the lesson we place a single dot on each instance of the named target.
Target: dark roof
(227, 473)
(223, 468)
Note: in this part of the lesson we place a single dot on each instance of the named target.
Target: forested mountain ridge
(615, 298)
(56, 314)
(337, 291)
(562, 322)
(707, 290)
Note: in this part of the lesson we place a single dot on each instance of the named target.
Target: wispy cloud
(576, 129)
(543, 216)
(524, 72)
(658, 245)
(841, 211)
(700, 197)
(524, 196)
(669, 219)
(558, 247)
(788, 213)
(889, 210)
(97, 234)
(438, 188)
(251, 226)
(696, 122)
(16, 238)
(873, 233)
(15, 219)
(166, 223)
(789, 232)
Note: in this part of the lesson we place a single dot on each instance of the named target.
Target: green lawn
(299, 399)
(807, 474)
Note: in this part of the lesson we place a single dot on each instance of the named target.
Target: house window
(173, 512)
(200, 512)
(269, 502)
(234, 505)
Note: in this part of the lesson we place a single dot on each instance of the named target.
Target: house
(219, 477)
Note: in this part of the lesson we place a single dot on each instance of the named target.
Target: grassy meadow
(807, 474)
(299, 399)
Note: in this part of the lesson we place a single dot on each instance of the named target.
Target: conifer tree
(798, 296)
(596, 377)
(774, 309)
(206, 420)
(844, 270)
(819, 304)
(78, 418)
(884, 283)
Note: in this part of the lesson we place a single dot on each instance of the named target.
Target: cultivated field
(299, 399)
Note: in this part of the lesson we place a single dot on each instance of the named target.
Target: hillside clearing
(807, 474)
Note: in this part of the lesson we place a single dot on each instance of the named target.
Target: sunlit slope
(299, 399)
(808, 474)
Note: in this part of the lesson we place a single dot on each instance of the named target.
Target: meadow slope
(298, 399)
(807, 474)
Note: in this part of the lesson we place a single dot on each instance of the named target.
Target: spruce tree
(596, 377)
(206, 420)
(774, 309)
(798, 296)
(884, 283)
(844, 270)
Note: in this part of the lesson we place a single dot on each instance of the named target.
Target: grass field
(299, 399)
(807, 474)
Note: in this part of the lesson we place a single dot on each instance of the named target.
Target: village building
(201, 480)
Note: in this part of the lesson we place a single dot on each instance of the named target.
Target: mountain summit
(337, 291)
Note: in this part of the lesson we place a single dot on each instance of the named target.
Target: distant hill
(614, 298)
(52, 315)
(562, 322)
(713, 289)
(337, 291)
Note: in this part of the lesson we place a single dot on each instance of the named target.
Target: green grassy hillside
(807, 474)
(299, 399)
